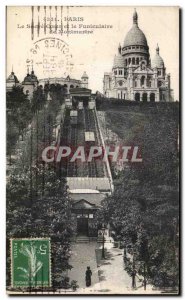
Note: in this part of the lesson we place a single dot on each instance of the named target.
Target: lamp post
(133, 270)
(144, 281)
(103, 241)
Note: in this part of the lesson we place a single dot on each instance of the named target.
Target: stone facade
(31, 82)
(133, 76)
(67, 82)
(11, 81)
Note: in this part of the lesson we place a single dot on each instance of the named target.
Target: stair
(82, 239)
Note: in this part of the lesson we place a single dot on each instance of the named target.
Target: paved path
(113, 277)
(109, 275)
(83, 255)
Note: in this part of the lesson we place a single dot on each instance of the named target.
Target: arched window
(135, 83)
(152, 97)
(71, 86)
(137, 61)
(144, 97)
(137, 97)
(159, 83)
(148, 82)
(162, 97)
(65, 87)
(142, 80)
(129, 61)
(133, 60)
(126, 62)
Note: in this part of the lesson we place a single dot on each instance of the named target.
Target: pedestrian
(88, 275)
(133, 279)
(125, 255)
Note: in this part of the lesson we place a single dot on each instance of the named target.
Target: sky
(93, 53)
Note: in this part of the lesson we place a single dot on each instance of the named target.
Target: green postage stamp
(30, 262)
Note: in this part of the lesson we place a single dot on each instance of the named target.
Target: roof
(79, 91)
(59, 79)
(118, 61)
(89, 136)
(94, 183)
(157, 62)
(83, 204)
(86, 191)
(12, 78)
(30, 78)
(84, 75)
(135, 36)
(95, 199)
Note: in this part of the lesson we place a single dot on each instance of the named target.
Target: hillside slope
(154, 129)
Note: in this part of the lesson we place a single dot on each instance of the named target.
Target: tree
(38, 204)
(18, 117)
(12, 134)
(140, 215)
(15, 98)
(39, 99)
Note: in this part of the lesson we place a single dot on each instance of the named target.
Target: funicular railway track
(74, 136)
(95, 168)
(72, 166)
(64, 142)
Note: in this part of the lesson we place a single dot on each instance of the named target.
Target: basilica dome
(30, 78)
(157, 62)
(119, 60)
(12, 78)
(135, 36)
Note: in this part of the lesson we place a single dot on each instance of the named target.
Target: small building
(30, 84)
(84, 80)
(73, 117)
(80, 95)
(11, 81)
(86, 201)
(84, 212)
(68, 82)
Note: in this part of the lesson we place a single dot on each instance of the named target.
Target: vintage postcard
(92, 111)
